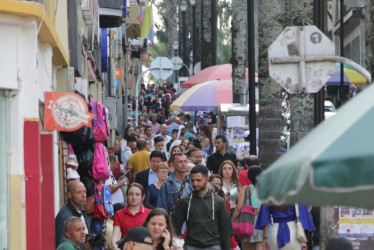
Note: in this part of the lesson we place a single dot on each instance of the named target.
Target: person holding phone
(158, 223)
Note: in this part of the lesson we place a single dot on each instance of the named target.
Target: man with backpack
(76, 193)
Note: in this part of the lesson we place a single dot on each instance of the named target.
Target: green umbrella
(333, 165)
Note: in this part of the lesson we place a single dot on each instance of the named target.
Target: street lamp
(193, 43)
(175, 47)
(183, 7)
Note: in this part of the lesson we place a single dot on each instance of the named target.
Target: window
(4, 170)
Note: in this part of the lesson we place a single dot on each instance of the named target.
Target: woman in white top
(231, 185)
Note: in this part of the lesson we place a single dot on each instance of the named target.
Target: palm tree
(239, 48)
(271, 25)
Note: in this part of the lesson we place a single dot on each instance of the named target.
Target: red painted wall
(32, 163)
(47, 191)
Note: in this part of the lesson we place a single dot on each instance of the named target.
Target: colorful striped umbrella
(350, 76)
(204, 97)
(222, 71)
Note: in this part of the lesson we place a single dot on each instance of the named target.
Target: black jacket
(215, 160)
(66, 212)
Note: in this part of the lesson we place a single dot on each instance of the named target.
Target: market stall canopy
(204, 97)
(333, 165)
(222, 71)
(350, 76)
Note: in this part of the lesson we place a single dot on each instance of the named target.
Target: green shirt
(67, 245)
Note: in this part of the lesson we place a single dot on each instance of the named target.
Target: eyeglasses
(163, 171)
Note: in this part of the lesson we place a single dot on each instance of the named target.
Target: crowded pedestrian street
(186, 125)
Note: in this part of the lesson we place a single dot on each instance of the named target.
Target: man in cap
(137, 238)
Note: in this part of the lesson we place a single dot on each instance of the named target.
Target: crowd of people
(175, 187)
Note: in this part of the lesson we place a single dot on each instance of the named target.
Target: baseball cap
(136, 234)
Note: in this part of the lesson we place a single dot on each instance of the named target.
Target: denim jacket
(169, 191)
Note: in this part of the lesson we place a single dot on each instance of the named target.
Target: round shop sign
(65, 112)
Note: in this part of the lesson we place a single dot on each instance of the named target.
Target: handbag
(243, 225)
(300, 232)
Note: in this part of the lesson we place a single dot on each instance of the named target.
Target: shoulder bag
(243, 225)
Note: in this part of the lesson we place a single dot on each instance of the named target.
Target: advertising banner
(65, 111)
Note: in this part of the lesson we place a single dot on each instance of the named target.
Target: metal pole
(251, 76)
(193, 44)
(341, 86)
(176, 71)
(184, 38)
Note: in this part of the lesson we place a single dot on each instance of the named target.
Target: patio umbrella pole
(341, 86)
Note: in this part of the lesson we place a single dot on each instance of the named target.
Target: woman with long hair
(253, 242)
(206, 133)
(129, 130)
(132, 215)
(159, 224)
(231, 185)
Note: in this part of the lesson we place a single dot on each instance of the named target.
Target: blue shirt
(282, 217)
(152, 177)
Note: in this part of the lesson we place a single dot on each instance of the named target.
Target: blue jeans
(218, 247)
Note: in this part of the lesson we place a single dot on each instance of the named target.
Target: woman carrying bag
(247, 196)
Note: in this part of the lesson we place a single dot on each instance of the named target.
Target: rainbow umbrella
(204, 97)
(350, 76)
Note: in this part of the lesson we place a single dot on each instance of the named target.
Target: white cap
(246, 133)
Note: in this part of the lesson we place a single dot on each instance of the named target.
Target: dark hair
(243, 162)
(172, 158)
(157, 212)
(220, 192)
(175, 130)
(141, 143)
(338, 243)
(253, 172)
(252, 160)
(200, 169)
(112, 157)
(148, 126)
(156, 153)
(158, 139)
(135, 184)
(125, 136)
(189, 125)
(189, 152)
(131, 138)
(196, 143)
(224, 139)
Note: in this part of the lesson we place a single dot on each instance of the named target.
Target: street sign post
(297, 59)
(161, 68)
(177, 62)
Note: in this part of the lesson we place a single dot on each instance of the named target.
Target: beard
(200, 188)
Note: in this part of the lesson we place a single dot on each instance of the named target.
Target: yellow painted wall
(17, 232)
(61, 24)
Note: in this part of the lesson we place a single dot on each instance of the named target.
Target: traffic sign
(297, 59)
(177, 62)
(161, 68)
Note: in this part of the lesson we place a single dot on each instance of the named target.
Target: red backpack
(100, 121)
(100, 163)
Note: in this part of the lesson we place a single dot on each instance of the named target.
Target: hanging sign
(65, 111)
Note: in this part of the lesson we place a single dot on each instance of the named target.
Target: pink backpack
(100, 121)
(100, 163)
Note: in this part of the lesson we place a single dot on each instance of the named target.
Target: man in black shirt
(222, 154)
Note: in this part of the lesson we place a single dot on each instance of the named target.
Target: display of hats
(72, 174)
(72, 161)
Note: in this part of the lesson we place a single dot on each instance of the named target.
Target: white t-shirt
(117, 196)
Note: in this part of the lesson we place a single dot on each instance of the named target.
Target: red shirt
(243, 178)
(126, 220)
